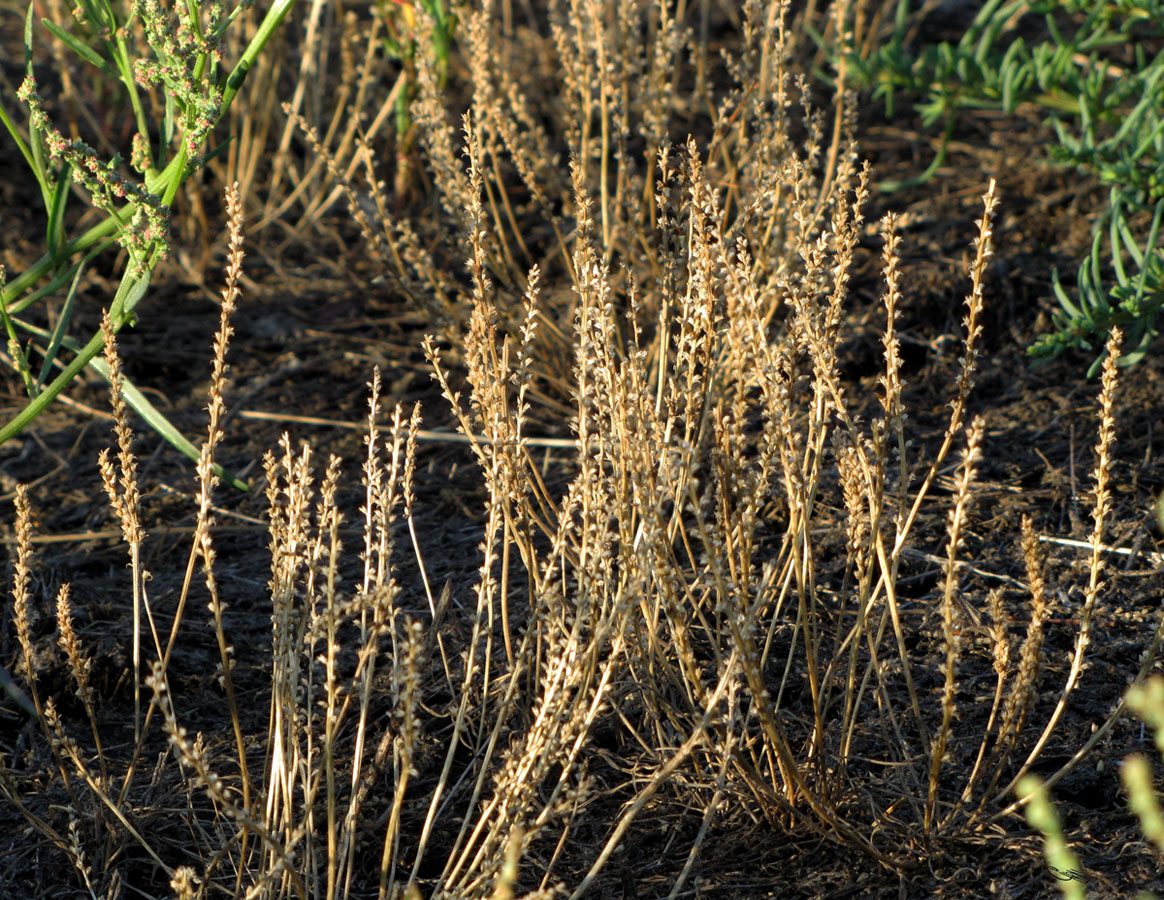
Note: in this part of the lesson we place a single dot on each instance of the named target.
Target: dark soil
(307, 337)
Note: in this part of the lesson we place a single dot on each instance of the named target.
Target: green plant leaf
(1041, 815)
(55, 229)
(14, 133)
(129, 292)
(82, 49)
(27, 415)
(60, 331)
(1064, 299)
(160, 424)
(137, 401)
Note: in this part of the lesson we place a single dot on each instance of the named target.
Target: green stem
(272, 20)
(126, 68)
(133, 284)
(119, 314)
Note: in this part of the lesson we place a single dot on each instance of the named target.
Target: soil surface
(308, 333)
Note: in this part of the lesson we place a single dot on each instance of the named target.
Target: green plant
(1099, 76)
(1146, 699)
(401, 44)
(166, 65)
(1041, 815)
(1132, 302)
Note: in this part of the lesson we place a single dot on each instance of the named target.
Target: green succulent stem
(64, 257)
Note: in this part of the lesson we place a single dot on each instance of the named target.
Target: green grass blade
(160, 424)
(55, 229)
(82, 49)
(59, 333)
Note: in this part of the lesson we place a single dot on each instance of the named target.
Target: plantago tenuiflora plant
(121, 487)
(703, 607)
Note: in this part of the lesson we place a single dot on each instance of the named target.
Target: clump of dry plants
(665, 627)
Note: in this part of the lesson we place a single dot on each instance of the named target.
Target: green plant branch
(159, 187)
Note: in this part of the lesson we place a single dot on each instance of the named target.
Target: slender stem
(17, 423)
(125, 67)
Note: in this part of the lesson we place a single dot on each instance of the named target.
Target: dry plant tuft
(660, 628)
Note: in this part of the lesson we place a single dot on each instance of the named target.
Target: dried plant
(701, 606)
